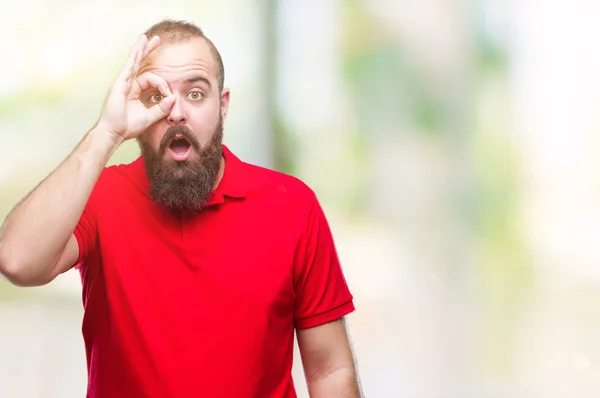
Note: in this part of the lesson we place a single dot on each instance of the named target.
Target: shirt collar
(232, 184)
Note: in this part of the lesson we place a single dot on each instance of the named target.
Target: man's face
(182, 152)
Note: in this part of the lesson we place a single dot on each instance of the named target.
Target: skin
(160, 86)
(36, 238)
(190, 74)
(328, 361)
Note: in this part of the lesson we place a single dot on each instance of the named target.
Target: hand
(123, 115)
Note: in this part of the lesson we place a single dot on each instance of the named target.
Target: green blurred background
(453, 144)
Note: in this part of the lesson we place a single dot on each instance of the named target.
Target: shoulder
(264, 181)
(124, 169)
(121, 178)
(130, 171)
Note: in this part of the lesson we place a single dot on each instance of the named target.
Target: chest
(224, 260)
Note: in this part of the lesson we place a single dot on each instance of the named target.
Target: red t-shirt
(203, 306)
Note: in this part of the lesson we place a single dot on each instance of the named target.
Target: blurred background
(452, 143)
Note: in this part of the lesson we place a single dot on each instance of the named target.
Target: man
(197, 268)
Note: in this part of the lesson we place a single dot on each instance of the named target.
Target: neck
(221, 173)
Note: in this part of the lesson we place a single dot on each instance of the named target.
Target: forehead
(176, 61)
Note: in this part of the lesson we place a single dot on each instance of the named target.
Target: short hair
(171, 31)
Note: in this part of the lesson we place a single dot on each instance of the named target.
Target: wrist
(97, 148)
(106, 137)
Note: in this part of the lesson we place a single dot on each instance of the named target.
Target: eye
(195, 95)
(156, 98)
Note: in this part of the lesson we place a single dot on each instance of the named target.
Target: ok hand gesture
(124, 115)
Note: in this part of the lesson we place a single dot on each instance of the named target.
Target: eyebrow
(196, 79)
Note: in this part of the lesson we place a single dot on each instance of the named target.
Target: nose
(177, 114)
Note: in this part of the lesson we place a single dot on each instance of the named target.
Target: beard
(183, 185)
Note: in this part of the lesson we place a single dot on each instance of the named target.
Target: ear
(224, 102)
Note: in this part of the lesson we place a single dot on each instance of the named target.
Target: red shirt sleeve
(322, 294)
(85, 231)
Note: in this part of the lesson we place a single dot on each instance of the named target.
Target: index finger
(147, 80)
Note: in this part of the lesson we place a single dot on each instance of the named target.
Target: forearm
(36, 232)
(340, 383)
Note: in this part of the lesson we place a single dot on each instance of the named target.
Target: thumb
(161, 109)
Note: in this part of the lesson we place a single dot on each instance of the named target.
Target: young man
(197, 268)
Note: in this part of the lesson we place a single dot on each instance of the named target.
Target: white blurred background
(454, 145)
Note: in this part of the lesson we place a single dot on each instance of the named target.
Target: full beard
(183, 186)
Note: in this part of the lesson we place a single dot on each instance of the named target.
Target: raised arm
(36, 239)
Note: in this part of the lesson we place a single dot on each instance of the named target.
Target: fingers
(151, 46)
(140, 55)
(161, 109)
(149, 80)
(128, 71)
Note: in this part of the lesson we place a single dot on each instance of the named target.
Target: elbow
(18, 274)
(11, 272)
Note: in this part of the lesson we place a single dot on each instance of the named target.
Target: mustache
(183, 131)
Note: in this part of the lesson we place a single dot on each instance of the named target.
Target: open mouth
(179, 148)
